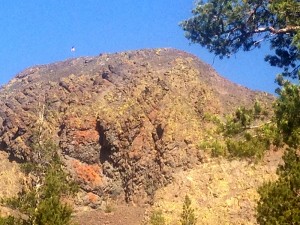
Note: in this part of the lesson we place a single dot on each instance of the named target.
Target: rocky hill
(125, 123)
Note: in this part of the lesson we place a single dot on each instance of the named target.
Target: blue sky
(43, 31)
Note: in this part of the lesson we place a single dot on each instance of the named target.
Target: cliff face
(124, 122)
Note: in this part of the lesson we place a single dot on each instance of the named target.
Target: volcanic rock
(123, 122)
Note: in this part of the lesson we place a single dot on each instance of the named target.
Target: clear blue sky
(43, 31)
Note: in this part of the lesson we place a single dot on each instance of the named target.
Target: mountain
(125, 122)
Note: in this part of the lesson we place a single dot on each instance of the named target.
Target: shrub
(287, 113)
(215, 147)
(10, 220)
(53, 212)
(251, 147)
(157, 218)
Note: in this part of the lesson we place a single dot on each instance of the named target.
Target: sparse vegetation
(216, 147)
(157, 218)
(109, 208)
(188, 213)
(10, 220)
(247, 133)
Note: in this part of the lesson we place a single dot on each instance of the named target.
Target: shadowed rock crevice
(3, 146)
(105, 146)
(159, 131)
(19, 133)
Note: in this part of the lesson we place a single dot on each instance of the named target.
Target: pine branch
(277, 31)
(258, 126)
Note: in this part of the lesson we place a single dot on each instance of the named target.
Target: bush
(157, 218)
(251, 147)
(10, 220)
(52, 211)
(287, 113)
(215, 147)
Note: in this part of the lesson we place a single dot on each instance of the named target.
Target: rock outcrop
(124, 122)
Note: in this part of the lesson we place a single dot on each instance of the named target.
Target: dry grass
(222, 191)
(11, 179)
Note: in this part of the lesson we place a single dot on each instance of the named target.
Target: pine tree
(188, 215)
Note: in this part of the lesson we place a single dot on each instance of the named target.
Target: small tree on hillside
(42, 202)
(188, 215)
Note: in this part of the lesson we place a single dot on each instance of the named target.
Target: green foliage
(245, 134)
(257, 109)
(243, 119)
(249, 134)
(57, 183)
(10, 220)
(231, 127)
(188, 215)
(216, 148)
(251, 147)
(42, 203)
(52, 211)
(157, 218)
(212, 118)
(226, 26)
(288, 13)
(280, 200)
(287, 113)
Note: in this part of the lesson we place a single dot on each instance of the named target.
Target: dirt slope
(222, 191)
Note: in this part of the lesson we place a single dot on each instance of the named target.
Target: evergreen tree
(188, 215)
(280, 201)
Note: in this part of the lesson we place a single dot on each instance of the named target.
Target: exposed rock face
(124, 122)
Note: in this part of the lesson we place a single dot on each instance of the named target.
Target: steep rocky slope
(124, 122)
